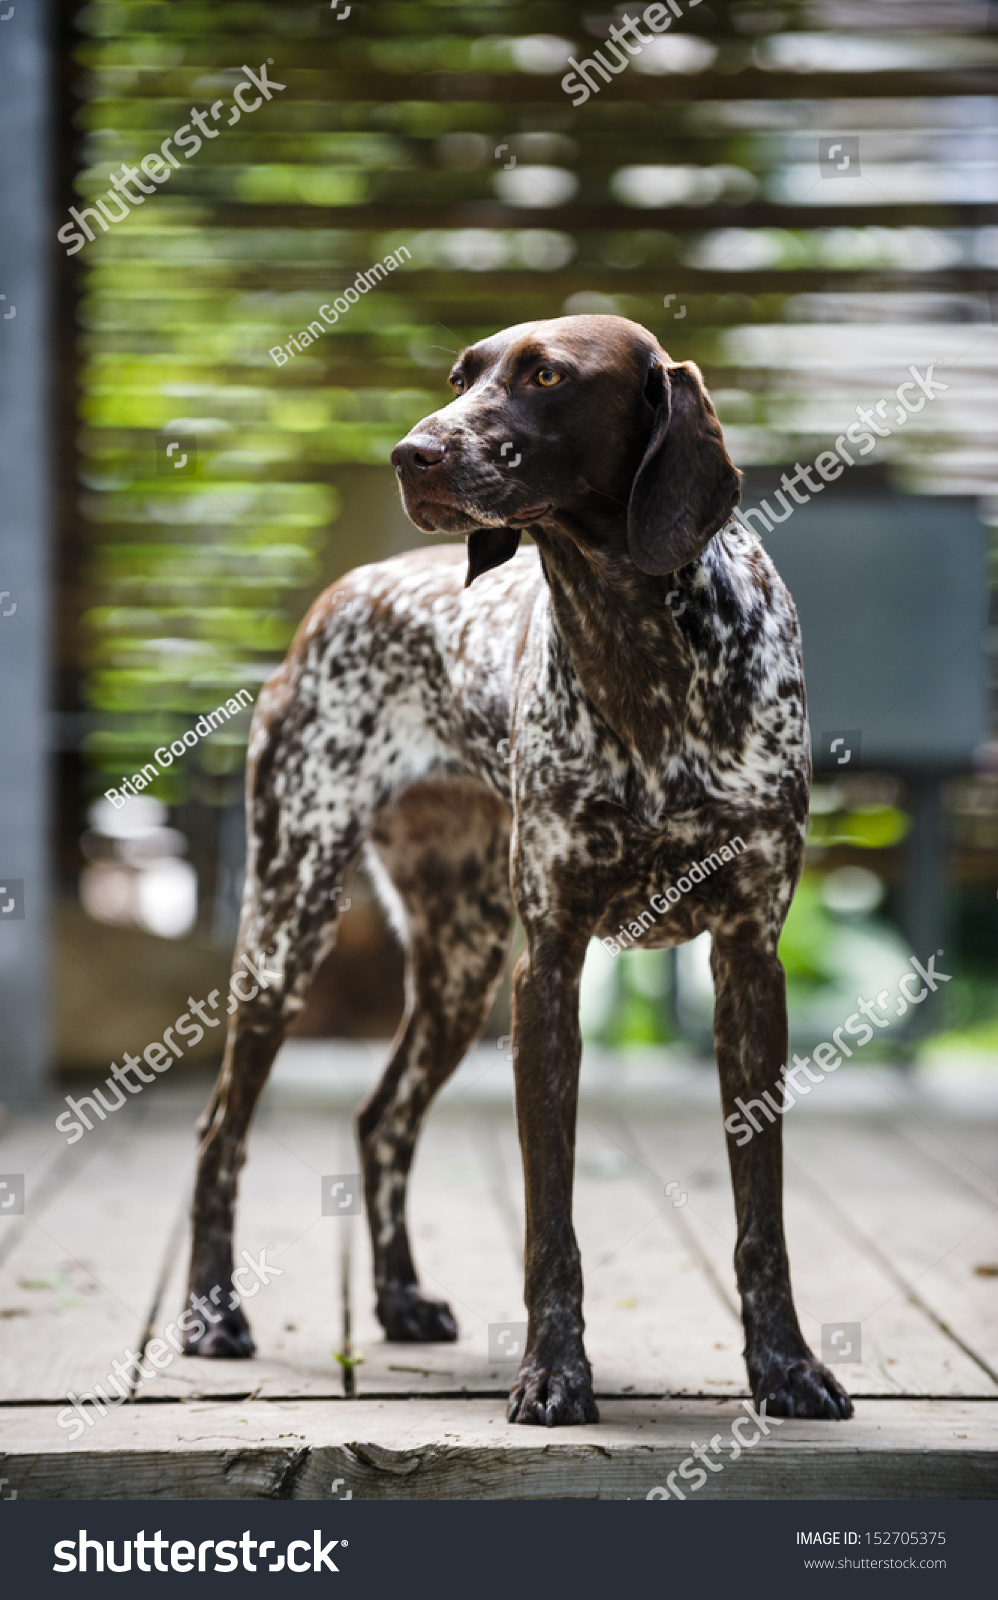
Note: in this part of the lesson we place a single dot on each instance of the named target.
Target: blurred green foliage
(641, 1014)
(804, 941)
(395, 127)
(875, 827)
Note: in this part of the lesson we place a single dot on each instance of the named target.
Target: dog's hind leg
(306, 823)
(445, 848)
(256, 1032)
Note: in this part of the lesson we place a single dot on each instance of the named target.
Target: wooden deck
(891, 1200)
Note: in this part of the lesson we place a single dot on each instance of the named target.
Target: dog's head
(582, 424)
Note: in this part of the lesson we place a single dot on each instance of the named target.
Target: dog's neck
(620, 632)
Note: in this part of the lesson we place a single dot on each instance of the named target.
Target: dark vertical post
(25, 549)
(924, 904)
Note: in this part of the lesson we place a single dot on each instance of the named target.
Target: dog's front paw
(552, 1397)
(802, 1387)
(410, 1317)
(228, 1338)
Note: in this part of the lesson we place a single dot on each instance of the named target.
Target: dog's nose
(418, 452)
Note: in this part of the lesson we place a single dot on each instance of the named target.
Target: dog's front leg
(750, 1038)
(554, 1385)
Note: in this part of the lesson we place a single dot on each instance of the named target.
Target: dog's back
(399, 670)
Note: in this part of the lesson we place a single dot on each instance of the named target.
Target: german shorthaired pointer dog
(643, 662)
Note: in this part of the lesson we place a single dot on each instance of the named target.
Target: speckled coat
(560, 731)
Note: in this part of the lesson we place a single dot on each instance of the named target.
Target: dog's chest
(733, 732)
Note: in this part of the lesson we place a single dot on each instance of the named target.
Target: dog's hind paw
(410, 1317)
(803, 1388)
(551, 1399)
(229, 1339)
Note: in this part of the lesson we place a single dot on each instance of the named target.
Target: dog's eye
(457, 383)
(547, 377)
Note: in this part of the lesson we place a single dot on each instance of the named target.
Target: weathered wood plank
(431, 1450)
(654, 1323)
(31, 1149)
(904, 1351)
(295, 1317)
(659, 1320)
(461, 1241)
(460, 1204)
(926, 1232)
(968, 1152)
(78, 1283)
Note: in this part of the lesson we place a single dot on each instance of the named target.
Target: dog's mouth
(444, 516)
(531, 514)
(439, 516)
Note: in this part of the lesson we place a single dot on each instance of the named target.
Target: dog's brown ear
(686, 487)
(488, 548)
